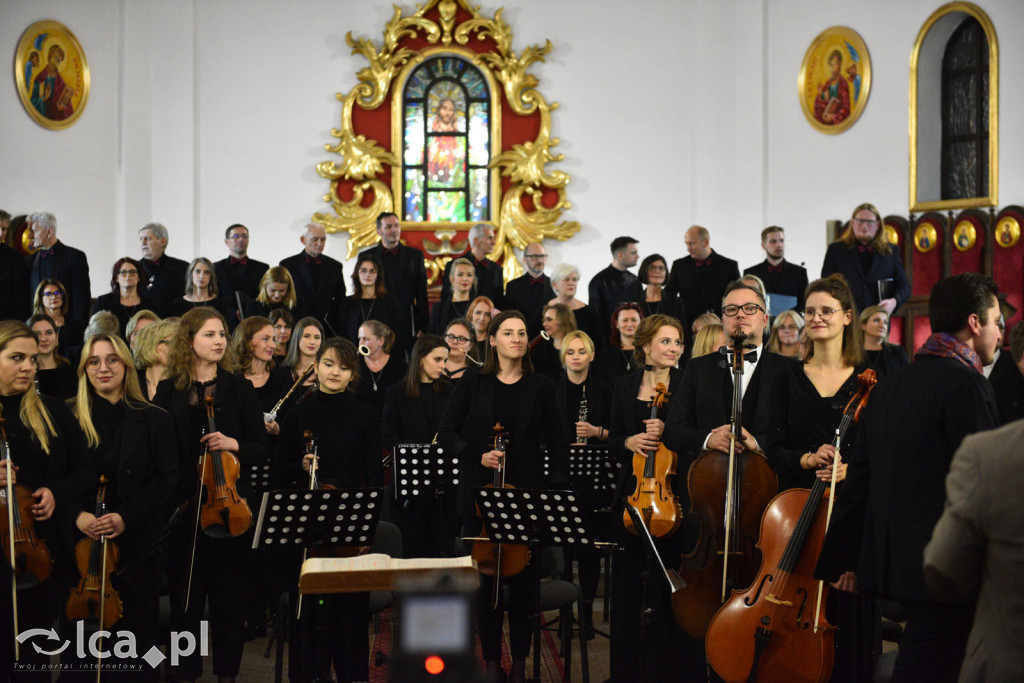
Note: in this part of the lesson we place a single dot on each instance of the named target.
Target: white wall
(207, 113)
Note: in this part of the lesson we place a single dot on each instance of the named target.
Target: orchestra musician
(49, 457)
(658, 347)
(347, 436)
(381, 366)
(812, 401)
(129, 444)
(557, 320)
(220, 564)
(459, 337)
(588, 422)
(412, 414)
(505, 390)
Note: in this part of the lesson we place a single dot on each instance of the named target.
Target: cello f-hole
(749, 602)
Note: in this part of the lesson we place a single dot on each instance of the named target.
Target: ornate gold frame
(525, 165)
(993, 111)
(61, 35)
(849, 35)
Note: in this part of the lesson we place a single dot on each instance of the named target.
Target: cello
(728, 491)
(654, 471)
(776, 629)
(499, 559)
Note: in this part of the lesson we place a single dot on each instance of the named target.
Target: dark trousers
(37, 608)
(933, 643)
(335, 623)
(219, 576)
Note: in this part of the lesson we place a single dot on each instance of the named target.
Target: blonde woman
(710, 338)
(463, 280)
(785, 336)
(276, 291)
(151, 348)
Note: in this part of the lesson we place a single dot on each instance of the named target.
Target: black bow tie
(385, 250)
(702, 261)
(861, 248)
(774, 269)
(43, 253)
(238, 261)
(314, 259)
(537, 280)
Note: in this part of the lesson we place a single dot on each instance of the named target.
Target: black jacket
(232, 277)
(385, 309)
(112, 302)
(467, 430)
(701, 287)
(320, 295)
(844, 258)
(406, 278)
(163, 281)
(608, 289)
(529, 298)
(15, 297)
(792, 281)
(71, 267)
(490, 281)
(413, 420)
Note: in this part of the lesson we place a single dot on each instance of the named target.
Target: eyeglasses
(825, 313)
(865, 221)
(95, 362)
(454, 339)
(748, 309)
(238, 236)
(126, 273)
(538, 256)
(52, 295)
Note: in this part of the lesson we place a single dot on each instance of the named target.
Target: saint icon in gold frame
(835, 79)
(52, 74)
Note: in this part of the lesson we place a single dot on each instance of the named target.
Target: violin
(94, 598)
(728, 492)
(655, 470)
(499, 559)
(225, 512)
(28, 554)
(776, 629)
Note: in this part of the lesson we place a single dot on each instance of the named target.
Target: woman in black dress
(129, 443)
(124, 299)
(348, 443)
(885, 358)
(412, 415)
(201, 289)
(306, 339)
(151, 354)
(282, 321)
(276, 291)
(481, 310)
(463, 278)
(54, 374)
(653, 273)
(589, 426)
(505, 391)
(380, 368)
(557, 321)
(618, 358)
(220, 563)
(659, 346)
(370, 300)
(565, 280)
(813, 400)
(48, 449)
(459, 337)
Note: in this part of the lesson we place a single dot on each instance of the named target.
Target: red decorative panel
(969, 261)
(922, 330)
(927, 265)
(1008, 271)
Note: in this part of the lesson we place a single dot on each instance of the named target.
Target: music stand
(424, 473)
(534, 517)
(301, 518)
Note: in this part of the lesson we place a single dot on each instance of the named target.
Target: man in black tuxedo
(319, 281)
(779, 275)
(700, 279)
(895, 487)
(163, 276)
(871, 265)
(1007, 378)
(57, 261)
(15, 299)
(238, 272)
(615, 284)
(529, 292)
(705, 394)
(489, 279)
(405, 276)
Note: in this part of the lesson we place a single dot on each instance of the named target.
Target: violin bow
(102, 493)
(10, 534)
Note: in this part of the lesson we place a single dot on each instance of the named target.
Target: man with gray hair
(489, 279)
(319, 280)
(55, 260)
(15, 299)
(163, 276)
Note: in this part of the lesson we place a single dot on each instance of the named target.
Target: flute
(272, 415)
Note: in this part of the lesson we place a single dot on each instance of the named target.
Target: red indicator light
(434, 665)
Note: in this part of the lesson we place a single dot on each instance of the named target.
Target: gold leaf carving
(360, 222)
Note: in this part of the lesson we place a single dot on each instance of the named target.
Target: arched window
(446, 143)
(965, 112)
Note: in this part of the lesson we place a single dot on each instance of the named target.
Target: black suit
(490, 281)
(15, 297)
(406, 278)
(792, 281)
(701, 287)
(1008, 385)
(846, 259)
(529, 297)
(608, 289)
(235, 277)
(163, 280)
(71, 267)
(319, 288)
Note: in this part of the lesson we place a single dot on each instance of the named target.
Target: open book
(371, 572)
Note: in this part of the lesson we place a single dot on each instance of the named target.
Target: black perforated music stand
(300, 518)
(534, 517)
(424, 471)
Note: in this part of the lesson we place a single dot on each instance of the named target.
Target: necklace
(465, 308)
(365, 313)
(627, 355)
(374, 376)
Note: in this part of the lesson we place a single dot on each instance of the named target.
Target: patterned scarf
(947, 346)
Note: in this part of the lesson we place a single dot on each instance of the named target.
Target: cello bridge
(775, 601)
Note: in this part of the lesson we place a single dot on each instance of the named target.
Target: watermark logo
(104, 645)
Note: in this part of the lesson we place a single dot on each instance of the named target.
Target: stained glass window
(965, 113)
(446, 142)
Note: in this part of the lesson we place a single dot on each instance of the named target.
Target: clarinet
(583, 412)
